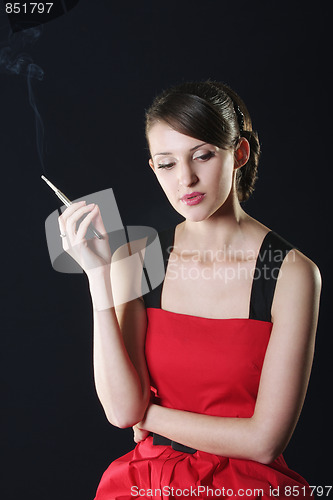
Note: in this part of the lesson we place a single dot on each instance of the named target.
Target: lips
(193, 198)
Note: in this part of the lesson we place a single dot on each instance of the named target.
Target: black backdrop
(104, 62)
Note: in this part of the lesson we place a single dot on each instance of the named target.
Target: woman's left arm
(283, 382)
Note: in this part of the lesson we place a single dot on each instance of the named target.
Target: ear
(242, 152)
(151, 164)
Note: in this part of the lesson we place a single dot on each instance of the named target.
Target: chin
(194, 215)
(195, 218)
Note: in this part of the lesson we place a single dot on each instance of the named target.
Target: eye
(166, 165)
(204, 156)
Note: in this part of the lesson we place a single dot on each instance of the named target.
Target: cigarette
(68, 202)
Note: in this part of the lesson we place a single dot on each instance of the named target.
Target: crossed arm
(283, 384)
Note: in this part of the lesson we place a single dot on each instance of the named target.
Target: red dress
(208, 366)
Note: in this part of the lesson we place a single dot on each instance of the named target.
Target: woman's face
(196, 177)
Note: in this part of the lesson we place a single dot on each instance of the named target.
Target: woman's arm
(283, 383)
(121, 375)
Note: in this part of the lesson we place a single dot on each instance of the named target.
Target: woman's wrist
(100, 287)
(149, 421)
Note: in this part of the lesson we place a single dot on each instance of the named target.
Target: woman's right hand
(88, 253)
(139, 434)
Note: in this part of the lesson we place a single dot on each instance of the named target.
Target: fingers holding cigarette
(64, 217)
(76, 228)
(74, 224)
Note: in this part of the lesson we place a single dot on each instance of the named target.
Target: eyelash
(204, 157)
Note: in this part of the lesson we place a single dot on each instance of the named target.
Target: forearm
(230, 437)
(117, 382)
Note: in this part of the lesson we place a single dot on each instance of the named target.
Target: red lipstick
(193, 198)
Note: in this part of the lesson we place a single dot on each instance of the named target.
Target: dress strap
(166, 237)
(271, 255)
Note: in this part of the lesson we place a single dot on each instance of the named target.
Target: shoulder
(293, 264)
(298, 285)
(299, 268)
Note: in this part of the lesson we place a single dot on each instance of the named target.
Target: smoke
(35, 71)
(14, 60)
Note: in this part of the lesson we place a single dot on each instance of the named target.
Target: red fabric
(209, 366)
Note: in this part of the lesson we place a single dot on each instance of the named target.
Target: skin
(121, 376)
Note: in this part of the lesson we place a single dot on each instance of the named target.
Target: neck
(223, 228)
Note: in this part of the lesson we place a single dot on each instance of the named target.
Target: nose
(187, 176)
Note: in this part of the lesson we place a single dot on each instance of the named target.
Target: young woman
(211, 367)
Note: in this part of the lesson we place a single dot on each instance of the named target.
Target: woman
(210, 368)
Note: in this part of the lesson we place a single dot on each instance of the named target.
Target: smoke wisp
(14, 60)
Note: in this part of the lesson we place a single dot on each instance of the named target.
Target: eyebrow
(192, 149)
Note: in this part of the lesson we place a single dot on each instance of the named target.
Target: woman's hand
(139, 434)
(73, 223)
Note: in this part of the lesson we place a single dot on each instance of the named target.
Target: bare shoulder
(298, 286)
(296, 266)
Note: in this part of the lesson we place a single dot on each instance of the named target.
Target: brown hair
(212, 112)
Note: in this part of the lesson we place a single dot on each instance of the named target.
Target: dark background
(104, 62)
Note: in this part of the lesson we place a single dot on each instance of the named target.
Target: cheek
(166, 182)
(222, 180)
(221, 177)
